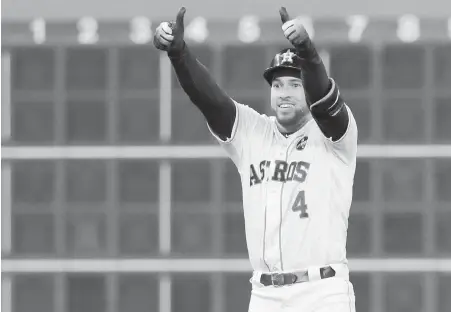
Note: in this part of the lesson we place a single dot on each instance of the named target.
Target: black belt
(280, 279)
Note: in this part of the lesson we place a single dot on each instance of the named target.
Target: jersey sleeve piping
(234, 128)
(347, 129)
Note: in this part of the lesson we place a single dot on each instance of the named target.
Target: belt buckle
(277, 279)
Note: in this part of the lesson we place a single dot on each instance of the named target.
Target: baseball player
(297, 170)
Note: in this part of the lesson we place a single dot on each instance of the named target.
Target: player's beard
(292, 119)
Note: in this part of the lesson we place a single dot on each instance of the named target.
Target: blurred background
(115, 198)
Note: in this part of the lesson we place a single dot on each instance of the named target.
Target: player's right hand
(169, 35)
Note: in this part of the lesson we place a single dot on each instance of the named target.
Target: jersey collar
(300, 132)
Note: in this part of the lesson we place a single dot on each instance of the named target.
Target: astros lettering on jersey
(297, 190)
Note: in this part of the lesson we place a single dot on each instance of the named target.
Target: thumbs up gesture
(169, 35)
(293, 29)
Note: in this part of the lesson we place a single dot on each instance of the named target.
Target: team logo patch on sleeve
(302, 143)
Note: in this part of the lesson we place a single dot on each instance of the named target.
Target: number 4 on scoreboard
(197, 30)
(300, 205)
(357, 26)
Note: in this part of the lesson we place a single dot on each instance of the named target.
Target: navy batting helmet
(285, 59)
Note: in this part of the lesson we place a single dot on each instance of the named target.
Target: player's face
(288, 100)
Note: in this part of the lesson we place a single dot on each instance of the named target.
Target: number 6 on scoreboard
(300, 205)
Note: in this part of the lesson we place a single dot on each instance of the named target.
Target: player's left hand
(293, 29)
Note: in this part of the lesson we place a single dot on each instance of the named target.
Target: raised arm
(322, 94)
(195, 79)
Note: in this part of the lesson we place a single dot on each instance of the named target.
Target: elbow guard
(330, 105)
(331, 114)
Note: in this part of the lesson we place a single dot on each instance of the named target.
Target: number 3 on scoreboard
(300, 205)
(87, 30)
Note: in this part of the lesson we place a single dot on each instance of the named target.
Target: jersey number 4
(300, 205)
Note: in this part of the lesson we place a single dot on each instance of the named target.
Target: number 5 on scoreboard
(300, 205)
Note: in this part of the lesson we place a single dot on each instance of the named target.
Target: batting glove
(293, 29)
(169, 35)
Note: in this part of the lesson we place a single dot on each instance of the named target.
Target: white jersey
(297, 191)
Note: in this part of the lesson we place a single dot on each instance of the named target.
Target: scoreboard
(248, 29)
(61, 64)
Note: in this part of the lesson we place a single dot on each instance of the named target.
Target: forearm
(314, 75)
(217, 107)
(323, 95)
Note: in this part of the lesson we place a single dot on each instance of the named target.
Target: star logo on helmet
(288, 57)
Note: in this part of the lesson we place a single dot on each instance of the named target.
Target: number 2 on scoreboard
(300, 205)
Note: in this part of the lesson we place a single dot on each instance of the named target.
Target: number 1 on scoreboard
(38, 30)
